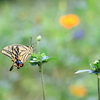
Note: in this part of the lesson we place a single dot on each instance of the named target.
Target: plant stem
(38, 46)
(98, 84)
(40, 67)
(42, 80)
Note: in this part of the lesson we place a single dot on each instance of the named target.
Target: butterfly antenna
(31, 41)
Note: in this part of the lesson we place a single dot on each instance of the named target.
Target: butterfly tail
(11, 68)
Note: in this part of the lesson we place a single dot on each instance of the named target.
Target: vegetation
(75, 44)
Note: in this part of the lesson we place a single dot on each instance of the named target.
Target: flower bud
(38, 38)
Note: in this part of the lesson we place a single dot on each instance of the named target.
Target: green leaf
(52, 58)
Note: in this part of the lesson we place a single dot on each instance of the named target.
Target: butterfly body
(18, 53)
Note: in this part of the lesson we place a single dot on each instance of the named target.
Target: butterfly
(18, 53)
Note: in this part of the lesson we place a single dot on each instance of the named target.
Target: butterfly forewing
(23, 52)
(7, 51)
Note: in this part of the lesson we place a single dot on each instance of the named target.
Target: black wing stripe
(7, 52)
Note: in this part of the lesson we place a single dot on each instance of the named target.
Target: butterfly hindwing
(25, 54)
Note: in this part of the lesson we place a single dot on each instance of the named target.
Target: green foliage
(39, 59)
(22, 19)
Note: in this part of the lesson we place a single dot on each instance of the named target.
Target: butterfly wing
(22, 51)
(25, 54)
(8, 51)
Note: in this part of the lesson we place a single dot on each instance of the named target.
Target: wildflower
(78, 34)
(77, 91)
(94, 68)
(69, 21)
(37, 59)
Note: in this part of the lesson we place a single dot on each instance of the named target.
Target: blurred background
(75, 46)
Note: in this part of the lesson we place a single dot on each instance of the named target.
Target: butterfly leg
(11, 68)
(18, 67)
